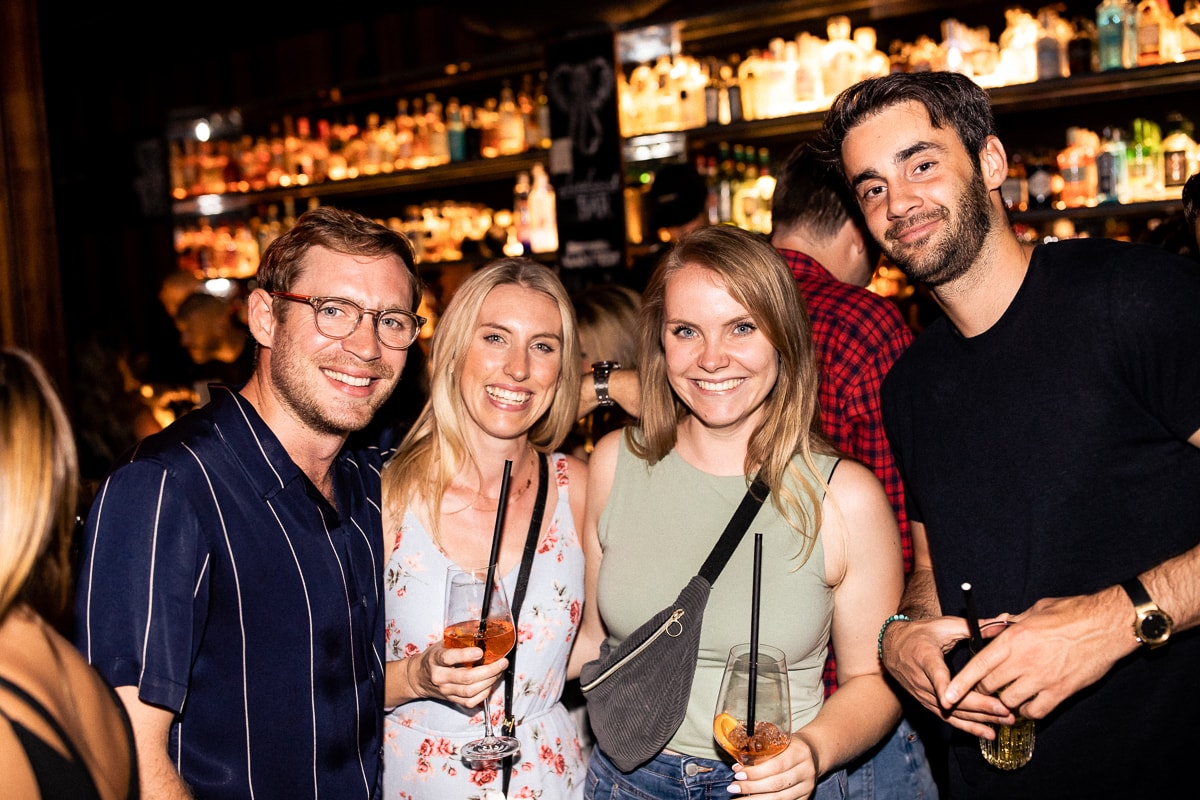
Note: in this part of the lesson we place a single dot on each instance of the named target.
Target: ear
(854, 237)
(993, 162)
(260, 317)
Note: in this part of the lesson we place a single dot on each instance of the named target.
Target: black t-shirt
(1048, 457)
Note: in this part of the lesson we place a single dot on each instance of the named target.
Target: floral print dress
(422, 738)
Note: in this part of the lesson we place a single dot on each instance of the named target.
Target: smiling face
(718, 361)
(513, 361)
(335, 386)
(923, 196)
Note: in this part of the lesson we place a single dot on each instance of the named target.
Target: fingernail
(951, 696)
(740, 776)
(733, 788)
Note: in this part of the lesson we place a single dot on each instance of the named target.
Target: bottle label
(1175, 168)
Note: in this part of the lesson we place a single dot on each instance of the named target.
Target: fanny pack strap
(531, 540)
(734, 531)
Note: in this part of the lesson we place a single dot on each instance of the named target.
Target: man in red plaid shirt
(858, 336)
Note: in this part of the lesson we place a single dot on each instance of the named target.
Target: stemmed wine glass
(466, 626)
(769, 703)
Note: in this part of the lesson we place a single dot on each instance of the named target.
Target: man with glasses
(231, 582)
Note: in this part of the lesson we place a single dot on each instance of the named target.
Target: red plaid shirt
(858, 336)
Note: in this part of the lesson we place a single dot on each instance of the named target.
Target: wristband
(600, 373)
(883, 630)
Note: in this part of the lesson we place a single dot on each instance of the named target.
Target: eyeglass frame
(316, 302)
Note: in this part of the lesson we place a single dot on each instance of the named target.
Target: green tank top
(658, 526)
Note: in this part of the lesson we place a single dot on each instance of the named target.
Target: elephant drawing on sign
(580, 91)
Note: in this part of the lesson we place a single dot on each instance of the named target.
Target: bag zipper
(671, 620)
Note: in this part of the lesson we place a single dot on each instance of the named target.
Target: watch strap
(1136, 591)
(600, 372)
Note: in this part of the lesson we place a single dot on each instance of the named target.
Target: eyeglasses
(337, 318)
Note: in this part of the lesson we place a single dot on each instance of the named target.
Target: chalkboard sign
(585, 154)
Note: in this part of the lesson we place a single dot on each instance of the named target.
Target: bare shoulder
(854, 485)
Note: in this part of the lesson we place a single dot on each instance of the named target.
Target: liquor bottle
(1145, 161)
(1051, 49)
(745, 193)
(456, 131)
(1081, 48)
(543, 219)
(748, 73)
(779, 80)
(1178, 149)
(1154, 32)
(761, 219)
(435, 124)
(875, 63)
(841, 59)
(810, 90)
(1015, 189)
(521, 220)
(510, 127)
(1116, 20)
(1112, 168)
(1041, 175)
(725, 183)
(734, 111)
(404, 135)
(1077, 166)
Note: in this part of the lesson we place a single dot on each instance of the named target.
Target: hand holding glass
(772, 706)
(1013, 746)
(465, 626)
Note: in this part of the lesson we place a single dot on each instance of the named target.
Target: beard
(297, 393)
(943, 257)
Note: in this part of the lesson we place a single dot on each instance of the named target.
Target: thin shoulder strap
(734, 531)
(49, 719)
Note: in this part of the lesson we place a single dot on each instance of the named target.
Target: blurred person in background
(63, 732)
(607, 317)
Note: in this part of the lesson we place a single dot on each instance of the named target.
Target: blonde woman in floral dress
(499, 391)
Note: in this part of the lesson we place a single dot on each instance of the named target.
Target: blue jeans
(896, 769)
(675, 777)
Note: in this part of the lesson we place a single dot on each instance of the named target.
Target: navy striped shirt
(221, 583)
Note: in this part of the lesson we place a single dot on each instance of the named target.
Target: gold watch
(1152, 626)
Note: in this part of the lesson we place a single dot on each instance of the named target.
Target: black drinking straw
(752, 687)
(972, 619)
(495, 556)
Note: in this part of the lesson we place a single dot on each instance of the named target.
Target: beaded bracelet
(883, 630)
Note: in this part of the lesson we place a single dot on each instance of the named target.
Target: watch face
(1154, 627)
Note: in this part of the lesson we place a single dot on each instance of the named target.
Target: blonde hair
(435, 449)
(757, 277)
(39, 485)
(607, 316)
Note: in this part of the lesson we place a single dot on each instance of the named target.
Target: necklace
(513, 497)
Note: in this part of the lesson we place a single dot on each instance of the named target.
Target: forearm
(623, 388)
(920, 600)
(1175, 586)
(151, 730)
(860, 713)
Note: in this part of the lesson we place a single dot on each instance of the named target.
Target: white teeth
(708, 386)
(348, 379)
(506, 396)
